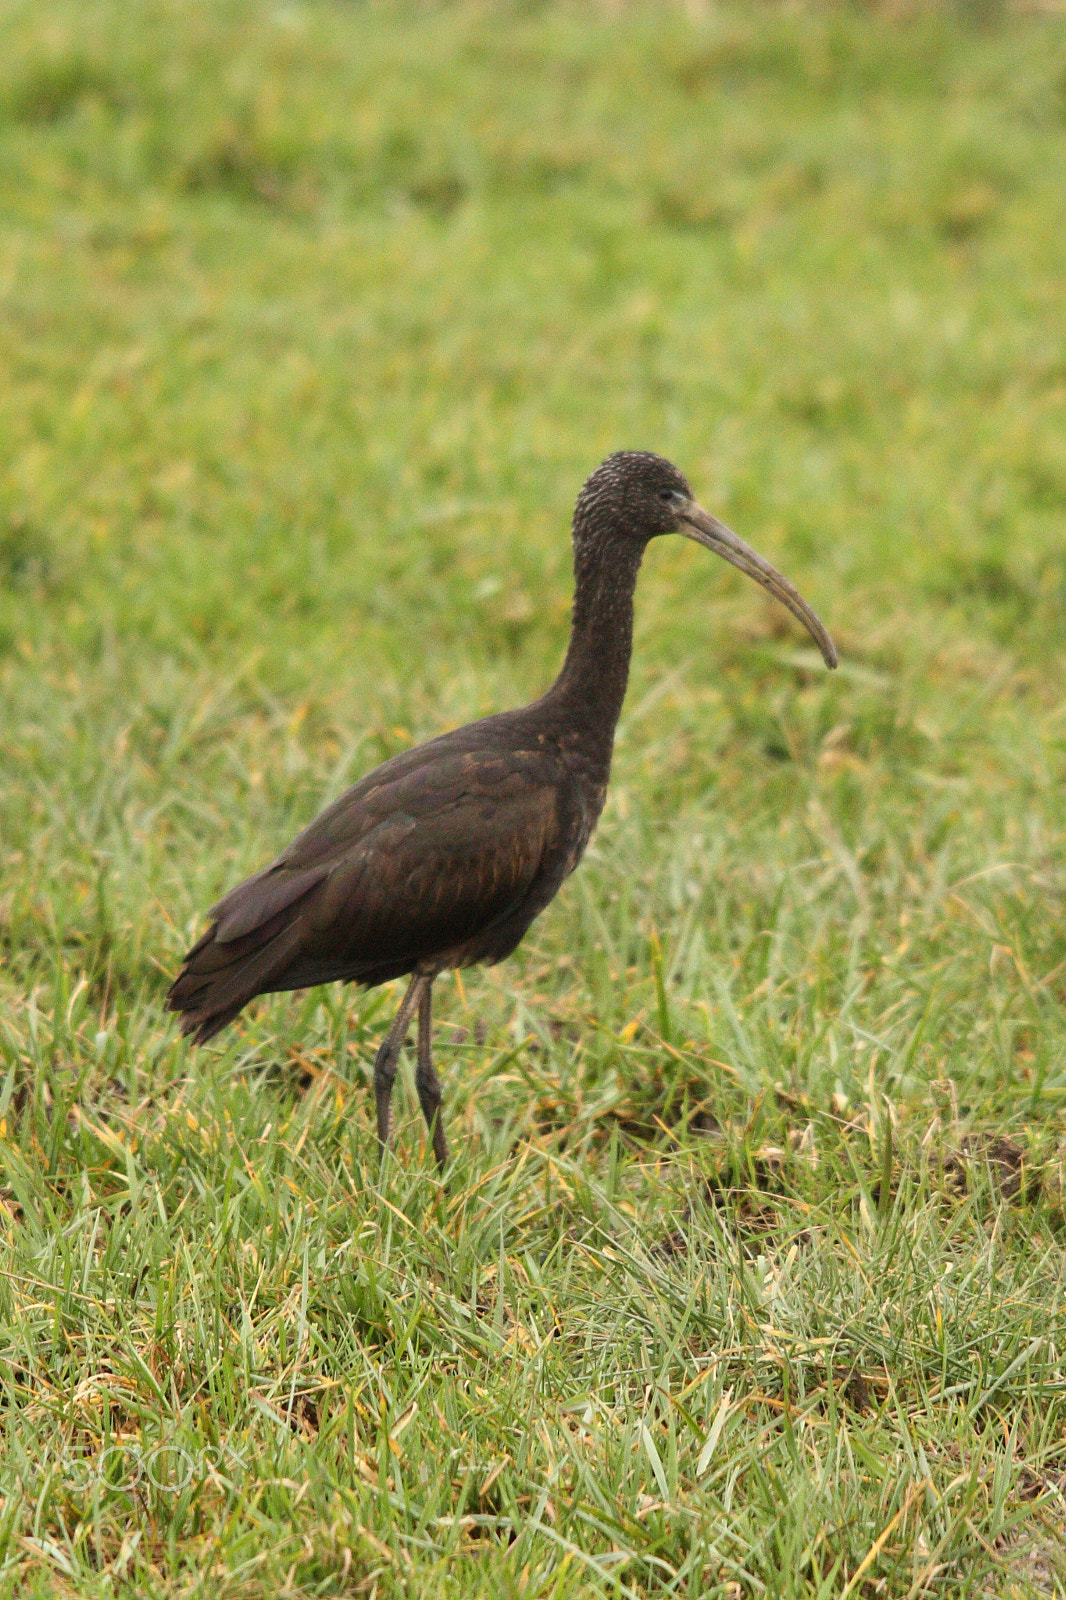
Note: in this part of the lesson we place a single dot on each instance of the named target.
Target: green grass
(748, 1278)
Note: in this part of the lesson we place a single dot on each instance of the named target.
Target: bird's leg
(426, 1080)
(388, 1054)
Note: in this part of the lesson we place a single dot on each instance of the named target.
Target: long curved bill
(707, 530)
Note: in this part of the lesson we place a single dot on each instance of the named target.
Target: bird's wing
(400, 788)
(409, 864)
(445, 860)
(457, 837)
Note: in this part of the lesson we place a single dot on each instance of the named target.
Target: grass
(748, 1278)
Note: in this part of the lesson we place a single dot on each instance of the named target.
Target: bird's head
(635, 496)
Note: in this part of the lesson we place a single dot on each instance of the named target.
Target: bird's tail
(255, 935)
(219, 976)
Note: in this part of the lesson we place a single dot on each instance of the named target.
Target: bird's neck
(591, 685)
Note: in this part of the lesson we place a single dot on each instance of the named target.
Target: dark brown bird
(443, 855)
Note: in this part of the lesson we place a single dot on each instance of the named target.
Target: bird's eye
(666, 495)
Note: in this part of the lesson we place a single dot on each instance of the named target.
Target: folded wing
(419, 861)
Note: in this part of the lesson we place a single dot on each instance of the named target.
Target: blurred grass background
(748, 1279)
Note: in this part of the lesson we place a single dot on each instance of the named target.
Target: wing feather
(418, 861)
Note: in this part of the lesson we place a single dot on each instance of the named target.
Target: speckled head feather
(634, 494)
